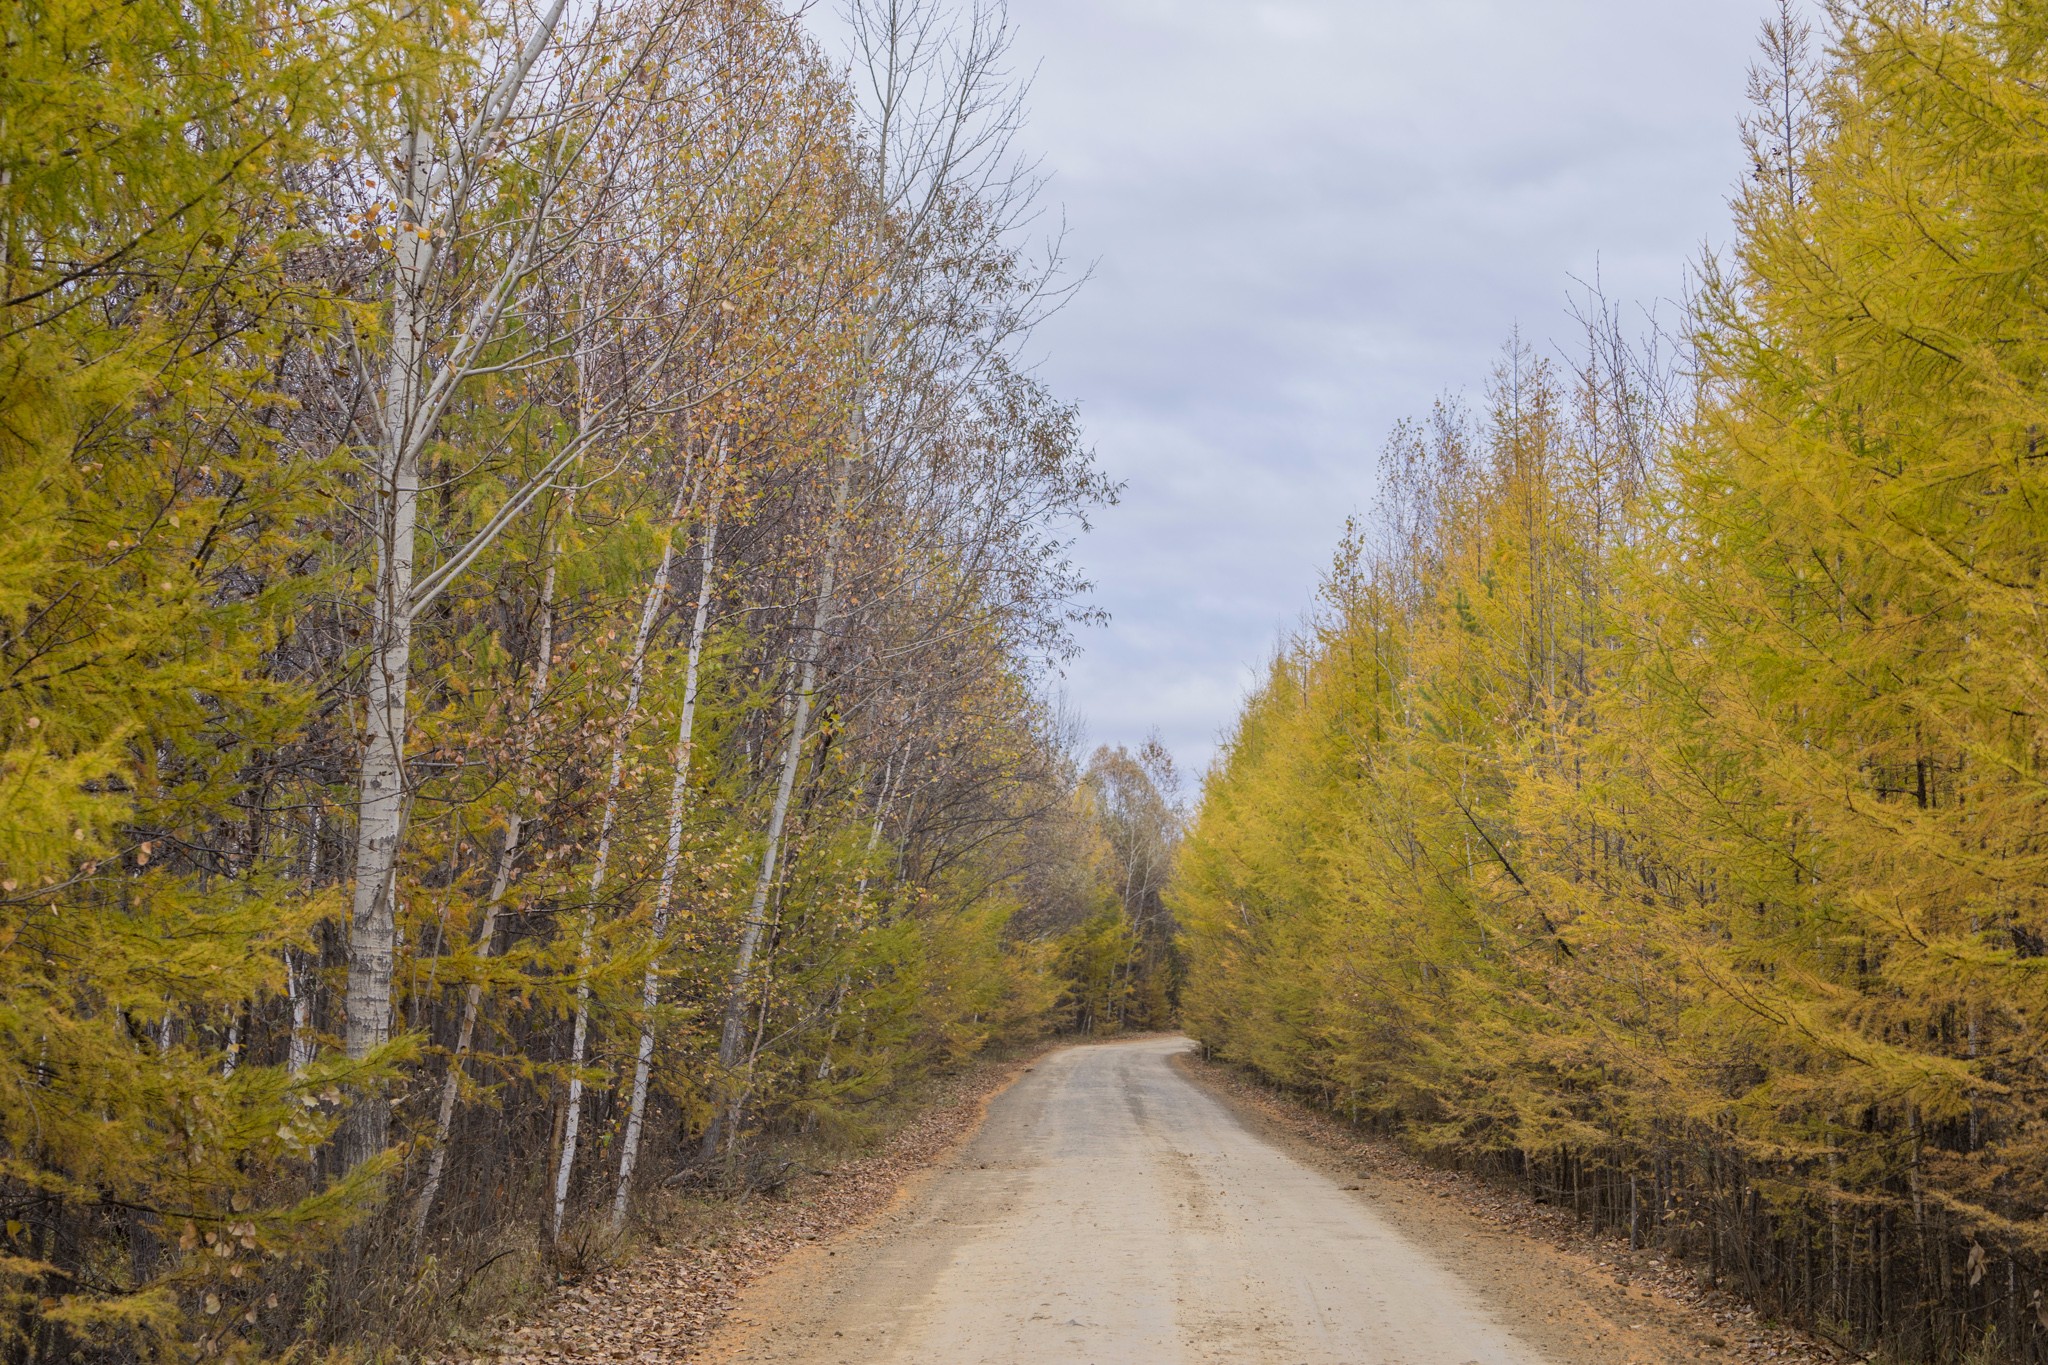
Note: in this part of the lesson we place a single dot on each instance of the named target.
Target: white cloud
(1309, 218)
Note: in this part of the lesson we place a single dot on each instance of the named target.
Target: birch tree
(349, 395)
(445, 316)
(672, 849)
(940, 115)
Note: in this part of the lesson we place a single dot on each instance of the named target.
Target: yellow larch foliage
(1653, 809)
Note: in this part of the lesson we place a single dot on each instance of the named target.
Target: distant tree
(1122, 959)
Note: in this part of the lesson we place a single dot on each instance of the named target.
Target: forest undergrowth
(667, 1292)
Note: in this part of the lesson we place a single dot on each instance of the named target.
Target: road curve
(1111, 1212)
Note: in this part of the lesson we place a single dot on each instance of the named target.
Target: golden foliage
(1658, 793)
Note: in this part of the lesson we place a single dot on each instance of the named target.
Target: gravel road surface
(1110, 1212)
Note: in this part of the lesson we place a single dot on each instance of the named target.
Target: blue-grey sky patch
(1308, 218)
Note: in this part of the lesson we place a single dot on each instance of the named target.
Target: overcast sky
(1308, 218)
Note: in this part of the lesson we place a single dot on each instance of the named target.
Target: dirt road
(1111, 1211)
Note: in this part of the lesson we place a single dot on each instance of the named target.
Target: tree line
(1651, 809)
(528, 565)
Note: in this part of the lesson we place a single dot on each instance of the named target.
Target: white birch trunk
(733, 1035)
(650, 610)
(299, 1050)
(297, 985)
(408, 410)
(381, 802)
(678, 800)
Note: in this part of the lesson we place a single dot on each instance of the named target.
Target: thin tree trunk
(299, 1049)
(501, 879)
(733, 1035)
(381, 803)
(892, 774)
(890, 771)
(657, 592)
(410, 408)
(678, 800)
(297, 980)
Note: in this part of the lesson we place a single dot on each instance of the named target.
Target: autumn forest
(1652, 812)
(535, 569)
(529, 568)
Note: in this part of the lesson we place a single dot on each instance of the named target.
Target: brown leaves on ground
(665, 1303)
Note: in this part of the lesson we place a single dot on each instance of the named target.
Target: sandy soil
(1112, 1210)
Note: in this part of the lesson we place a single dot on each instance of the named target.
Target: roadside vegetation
(528, 572)
(1652, 808)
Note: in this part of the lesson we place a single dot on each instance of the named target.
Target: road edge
(964, 1117)
(674, 1299)
(1454, 1213)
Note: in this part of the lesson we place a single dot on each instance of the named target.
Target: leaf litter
(666, 1303)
